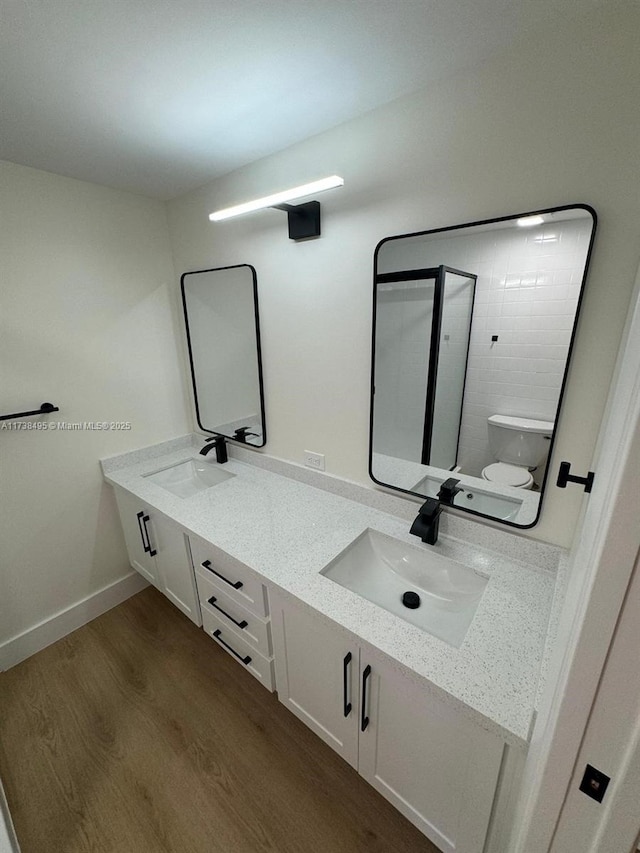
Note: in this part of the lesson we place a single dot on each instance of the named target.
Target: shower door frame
(438, 276)
(434, 358)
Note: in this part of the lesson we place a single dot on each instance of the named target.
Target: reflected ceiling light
(304, 219)
(528, 221)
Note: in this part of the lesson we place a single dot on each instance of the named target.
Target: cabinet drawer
(245, 654)
(245, 624)
(230, 576)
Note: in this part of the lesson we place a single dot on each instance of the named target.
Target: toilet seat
(508, 475)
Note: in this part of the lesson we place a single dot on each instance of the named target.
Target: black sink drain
(411, 600)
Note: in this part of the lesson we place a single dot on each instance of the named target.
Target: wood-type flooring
(138, 734)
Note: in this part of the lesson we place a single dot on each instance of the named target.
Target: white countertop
(288, 531)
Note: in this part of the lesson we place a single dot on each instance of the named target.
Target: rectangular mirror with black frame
(473, 327)
(223, 336)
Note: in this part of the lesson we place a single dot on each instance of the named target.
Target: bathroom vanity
(439, 727)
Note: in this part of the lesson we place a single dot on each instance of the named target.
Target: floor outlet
(314, 460)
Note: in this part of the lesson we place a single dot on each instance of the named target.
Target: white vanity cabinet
(235, 610)
(159, 550)
(317, 674)
(432, 763)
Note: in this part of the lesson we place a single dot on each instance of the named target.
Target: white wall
(86, 277)
(552, 122)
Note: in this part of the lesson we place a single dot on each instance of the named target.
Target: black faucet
(220, 445)
(427, 521)
(242, 433)
(448, 490)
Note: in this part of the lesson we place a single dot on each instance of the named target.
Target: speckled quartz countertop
(288, 531)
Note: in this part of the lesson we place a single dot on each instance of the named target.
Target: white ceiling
(159, 96)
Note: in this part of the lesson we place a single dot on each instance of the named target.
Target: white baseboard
(35, 639)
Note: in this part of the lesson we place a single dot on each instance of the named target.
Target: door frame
(612, 744)
(601, 563)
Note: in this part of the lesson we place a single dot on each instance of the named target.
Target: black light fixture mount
(303, 219)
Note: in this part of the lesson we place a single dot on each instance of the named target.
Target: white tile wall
(527, 291)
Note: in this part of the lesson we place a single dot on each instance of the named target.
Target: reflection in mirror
(223, 335)
(473, 328)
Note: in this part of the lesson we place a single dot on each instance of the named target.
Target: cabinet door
(135, 520)
(175, 570)
(436, 767)
(316, 674)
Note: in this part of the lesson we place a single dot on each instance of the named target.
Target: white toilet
(520, 445)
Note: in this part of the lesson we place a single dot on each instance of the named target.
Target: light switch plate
(594, 783)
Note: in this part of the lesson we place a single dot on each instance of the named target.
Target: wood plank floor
(138, 734)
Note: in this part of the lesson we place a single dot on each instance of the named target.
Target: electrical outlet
(314, 460)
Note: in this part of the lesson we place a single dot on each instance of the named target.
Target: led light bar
(278, 198)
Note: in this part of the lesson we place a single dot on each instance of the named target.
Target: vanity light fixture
(304, 219)
(528, 221)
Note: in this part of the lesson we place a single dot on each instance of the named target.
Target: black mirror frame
(590, 210)
(254, 278)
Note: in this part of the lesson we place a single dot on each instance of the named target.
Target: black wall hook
(565, 477)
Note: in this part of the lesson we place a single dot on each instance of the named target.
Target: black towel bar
(44, 409)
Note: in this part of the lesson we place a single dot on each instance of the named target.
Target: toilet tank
(519, 441)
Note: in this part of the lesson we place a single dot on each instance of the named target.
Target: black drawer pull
(364, 719)
(216, 634)
(345, 683)
(212, 602)
(207, 565)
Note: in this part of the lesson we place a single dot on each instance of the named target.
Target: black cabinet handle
(146, 547)
(345, 683)
(216, 634)
(212, 602)
(207, 565)
(364, 720)
(142, 527)
(152, 551)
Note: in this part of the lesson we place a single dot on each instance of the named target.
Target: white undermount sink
(189, 477)
(499, 506)
(382, 569)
